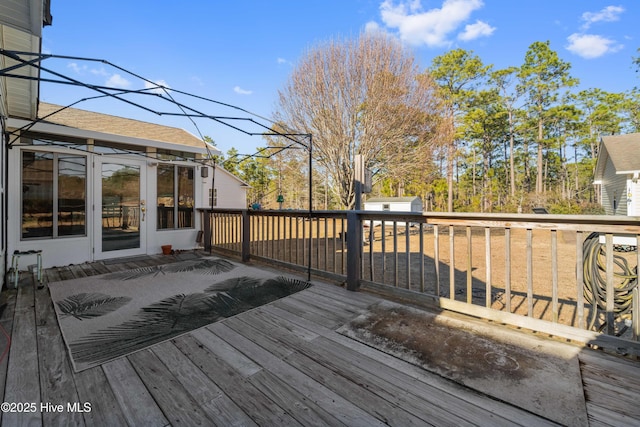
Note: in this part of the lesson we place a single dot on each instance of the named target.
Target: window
(174, 155)
(54, 200)
(175, 197)
(213, 198)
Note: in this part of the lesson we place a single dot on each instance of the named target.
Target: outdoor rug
(111, 315)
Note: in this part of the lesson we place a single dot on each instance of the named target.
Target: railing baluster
(343, 237)
(395, 253)
(371, 261)
(326, 244)
(335, 251)
(529, 272)
(487, 266)
(408, 252)
(452, 267)
(507, 269)
(436, 256)
(554, 276)
(305, 259)
(610, 296)
(384, 249)
(317, 245)
(580, 280)
(421, 231)
(469, 267)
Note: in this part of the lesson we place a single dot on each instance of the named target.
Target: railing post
(246, 236)
(206, 227)
(354, 250)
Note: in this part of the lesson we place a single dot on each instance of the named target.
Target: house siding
(614, 191)
(633, 201)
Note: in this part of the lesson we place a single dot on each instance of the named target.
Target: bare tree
(361, 96)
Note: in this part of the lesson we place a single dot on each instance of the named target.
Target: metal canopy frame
(35, 60)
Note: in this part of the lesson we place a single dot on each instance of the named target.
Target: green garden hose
(595, 282)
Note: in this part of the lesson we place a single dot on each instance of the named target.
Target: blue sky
(241, 52)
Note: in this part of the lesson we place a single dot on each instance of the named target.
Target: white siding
(231, 192)
(614, 191)
(633, 208)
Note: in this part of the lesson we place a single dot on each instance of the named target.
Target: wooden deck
(280, 364)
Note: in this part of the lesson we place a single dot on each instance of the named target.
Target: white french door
(120, 208)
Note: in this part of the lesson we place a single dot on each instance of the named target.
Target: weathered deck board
(93, 387)
(279, 364)
(136, 402)
(251, 400)
(23, 385)
(8, 304)
(217, 405)
(56, 377)
(316, 398)
(172, 398)
(611, 387)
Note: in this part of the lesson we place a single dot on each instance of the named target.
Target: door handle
(143, 210)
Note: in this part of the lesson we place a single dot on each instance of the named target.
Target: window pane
(185, 197)
(166, 197)
(72, 185)
(37, 194)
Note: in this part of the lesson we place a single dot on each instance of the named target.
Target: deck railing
(566, 275)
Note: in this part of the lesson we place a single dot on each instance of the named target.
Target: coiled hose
(595, 282)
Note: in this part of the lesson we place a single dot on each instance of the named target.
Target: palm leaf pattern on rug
(89, 305)
(204, 266)
(211, 266)
(181, 313)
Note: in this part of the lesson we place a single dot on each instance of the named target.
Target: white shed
(617, 170)
(394, 204)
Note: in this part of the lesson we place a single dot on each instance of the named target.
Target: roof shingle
(105, 123)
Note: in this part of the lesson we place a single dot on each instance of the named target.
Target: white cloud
(116, 80)
(99, 72)
(430, 28)
(283, 61)
(372, 27)
(77, 68)
(157, 87)
(241, 91)
(608, 14)
(477, 30)
(591, 46)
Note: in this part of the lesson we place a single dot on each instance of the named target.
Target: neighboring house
(617, 173)
(21, 23)
(230, 192)
(86, 186)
